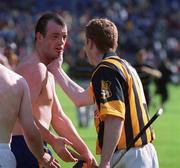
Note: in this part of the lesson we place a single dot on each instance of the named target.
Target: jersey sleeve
(108, 92)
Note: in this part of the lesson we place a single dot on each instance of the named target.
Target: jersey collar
(109, 54)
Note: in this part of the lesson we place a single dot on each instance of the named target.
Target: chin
(56, 56)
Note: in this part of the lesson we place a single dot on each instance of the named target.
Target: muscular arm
(64, 127)
(112, 134)
(32, 136)
(58, 143)
(76, 93)
(31, 133)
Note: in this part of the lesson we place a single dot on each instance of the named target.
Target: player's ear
(39, 36)
(90, 43)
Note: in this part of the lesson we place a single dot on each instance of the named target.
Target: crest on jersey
(96, 114)
(105, 89)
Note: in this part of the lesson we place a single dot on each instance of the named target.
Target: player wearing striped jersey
(117, 91)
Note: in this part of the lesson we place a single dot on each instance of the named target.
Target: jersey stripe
(136, 114)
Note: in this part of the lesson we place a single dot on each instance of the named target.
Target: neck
(42, 58)
(98, 56)
(33, 58)
(109, 54)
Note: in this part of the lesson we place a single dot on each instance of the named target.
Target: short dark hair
(43, 20)
(103, 32)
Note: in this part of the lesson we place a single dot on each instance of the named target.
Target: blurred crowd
(152, 25)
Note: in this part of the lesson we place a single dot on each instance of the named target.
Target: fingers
(66, 153)
(56, 62)
(91, 162)
(67, 142)
(54, 164)
(59, 146)
(94, 165)
(67, 156)
(82, 163)
(75, 154)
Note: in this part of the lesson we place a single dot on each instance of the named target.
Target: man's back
(11, 92)
(15, 105)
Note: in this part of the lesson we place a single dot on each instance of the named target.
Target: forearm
(64, 127)
(72, 89)
(34, 142)
(67, 130)
(112, 132)
(45, 133)
(70, 133)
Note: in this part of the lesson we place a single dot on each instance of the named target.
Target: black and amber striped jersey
(117, 91)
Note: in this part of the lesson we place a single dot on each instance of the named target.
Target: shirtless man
(50, 39)
(15, 104)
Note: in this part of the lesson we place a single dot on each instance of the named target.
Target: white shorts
(7, 158)
(141, 157)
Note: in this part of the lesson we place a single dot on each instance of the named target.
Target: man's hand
(83, 164)
(49, 162)
(55, 64)
(59, 146)
(89, 159)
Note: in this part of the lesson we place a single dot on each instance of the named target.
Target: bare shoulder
(9, 73)
(12, 79)
(32, 71)
(18, 79)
